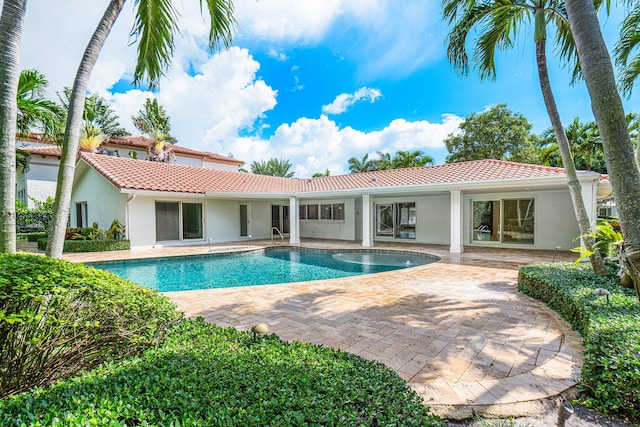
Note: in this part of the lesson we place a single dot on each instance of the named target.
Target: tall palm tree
(597, 70)
(496, 23)
(281, 167)
(626, 52)
(11, 22)
(153, 120)
(260, 167)
(359, 165)
(154, 30)
(34, 110)
(585, 145)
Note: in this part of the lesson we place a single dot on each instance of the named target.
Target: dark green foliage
(89, 245)
(32, 237)
(34, 219)
(611, 331)
(210, 376)
(57, 318)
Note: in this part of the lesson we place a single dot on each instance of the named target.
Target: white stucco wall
(555, 222)
(330, 229)
(104, 201)
(220, 166)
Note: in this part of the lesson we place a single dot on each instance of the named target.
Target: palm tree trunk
(575, 190)
(72, 131)
(10, 37)
(609, 113)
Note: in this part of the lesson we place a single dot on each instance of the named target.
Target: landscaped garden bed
(609, 325)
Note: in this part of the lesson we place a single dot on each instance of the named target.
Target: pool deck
(456, 330)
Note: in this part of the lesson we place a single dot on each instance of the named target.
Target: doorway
(280, 218)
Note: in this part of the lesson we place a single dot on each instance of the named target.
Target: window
(303, 211)
(396, 220)
(504, 221)
(312, 211)
(178, 221)
(325, 211)
(82, 219)
(338, 212)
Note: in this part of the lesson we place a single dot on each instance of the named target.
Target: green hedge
(31, 237)
(57, 318)
(611, 331)
(210, 376)
(90, 245)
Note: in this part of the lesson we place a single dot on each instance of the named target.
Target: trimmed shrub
(57, 318)
(611, 330)
(210, 376)
(34, 237)
(90, 245)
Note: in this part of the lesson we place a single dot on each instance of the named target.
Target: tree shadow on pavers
(422, 336)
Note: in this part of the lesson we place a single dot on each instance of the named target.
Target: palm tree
(153, 120)
(320, 174)
(260, 167)
(22, 159)
(496, 23)
(410, 159)
(383, 162)
(585, 146)
(626, 49)
(11, 22)
(34, 110)
(359, 165)
(154, 30)
(597, 70)
(280, 167)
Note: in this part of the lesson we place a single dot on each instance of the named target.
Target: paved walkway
(457, 330)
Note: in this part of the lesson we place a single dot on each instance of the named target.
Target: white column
(367, 217)
(589, 197)
(294, 221)
(456, 222)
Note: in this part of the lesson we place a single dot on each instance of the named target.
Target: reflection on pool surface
(268, 266)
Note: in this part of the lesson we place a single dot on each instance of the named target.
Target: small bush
(31, 237)
(611, 331)
(57, 318)
(210, 376)
(90, 245)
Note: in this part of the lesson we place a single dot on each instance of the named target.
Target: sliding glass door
(397, 220)
(178, 221)
(504, 221)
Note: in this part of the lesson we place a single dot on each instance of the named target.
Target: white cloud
(346, 100)
(314, 145)
(210, 107)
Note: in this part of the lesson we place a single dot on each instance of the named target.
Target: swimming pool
(262, 267)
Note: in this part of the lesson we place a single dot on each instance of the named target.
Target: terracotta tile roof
(479, 170)
(52, 151)
(131, 174)
(143, 143)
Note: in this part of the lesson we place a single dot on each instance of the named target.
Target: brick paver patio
(457, 330)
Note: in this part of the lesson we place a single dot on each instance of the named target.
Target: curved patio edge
(525, 394)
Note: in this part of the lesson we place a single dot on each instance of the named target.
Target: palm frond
(223, 23)
(154, 29)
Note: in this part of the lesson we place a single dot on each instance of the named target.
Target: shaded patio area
(457, 330)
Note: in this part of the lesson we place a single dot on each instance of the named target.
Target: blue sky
(312, 82)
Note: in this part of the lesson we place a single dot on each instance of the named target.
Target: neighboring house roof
(152, 176)
(53, 151)
(143, 143)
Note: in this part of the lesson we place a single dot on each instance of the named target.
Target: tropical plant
(319, 174)
(272, 167)
(357, 165)
(495, 22)
(99, 121)
(599, 76)
(153, 120)
(626, 52)
(585, 146)
(11, 21)
(410, 159)
(22, 159)
(34, 110)
(154, 29)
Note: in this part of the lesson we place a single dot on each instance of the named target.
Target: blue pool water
(269, 266)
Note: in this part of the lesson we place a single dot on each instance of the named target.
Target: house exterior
(39, 180)
(479, 203)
